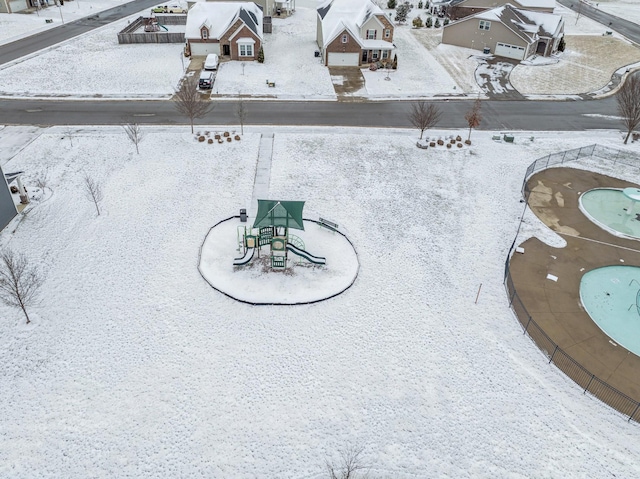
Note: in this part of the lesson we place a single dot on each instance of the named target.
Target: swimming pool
(613, 210)
(610, 296)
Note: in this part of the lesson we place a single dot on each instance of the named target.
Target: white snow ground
(135, 367)
(14, 26)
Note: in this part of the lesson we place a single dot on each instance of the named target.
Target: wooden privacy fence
(129, 34)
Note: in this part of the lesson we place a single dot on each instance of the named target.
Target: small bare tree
(134, 133)
(424, 115)
(93, 191)
(473, 117)
(188, 101)
(628, 98)
(349, 466)
(69, 132)
(241, 113)
(578, 11)
(19, 283)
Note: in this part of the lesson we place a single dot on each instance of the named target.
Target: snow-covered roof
(537, 3)
(524, 23)
(219, 16)
(350, 15)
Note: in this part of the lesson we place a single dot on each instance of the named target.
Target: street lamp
(60, 8)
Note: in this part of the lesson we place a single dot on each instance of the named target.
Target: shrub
(458, 138)
(210, 141)
(440, 142)
(394, 65)
(432, 144)
(446, 22)
(420, 4)
(201, 138)
(561, 45)
(261, 55)
(467, 142)
(448, 145)
(429, 22)
(437, 24)
(373, 66)
(459, 145)
(417, 22)
(391, 4)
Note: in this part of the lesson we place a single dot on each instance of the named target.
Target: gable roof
(526, 24)
(546, 4)
(340, 15)
(219, 16)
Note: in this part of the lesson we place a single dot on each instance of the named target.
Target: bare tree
(93, 191)
(69, 132)
(424, 115)
(578, 11)
(473, 116)
(188, 101)
(19, 283)
(134, 133)
(241, 113)
(349, 466)
(628, 98)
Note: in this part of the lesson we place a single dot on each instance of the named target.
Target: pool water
(610, 296)
(609, 208)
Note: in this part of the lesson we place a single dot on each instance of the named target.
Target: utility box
(243, 215)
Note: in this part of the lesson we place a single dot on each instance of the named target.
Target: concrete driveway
(348, 83)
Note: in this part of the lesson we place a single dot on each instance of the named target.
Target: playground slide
(245, 259)
(306, 255)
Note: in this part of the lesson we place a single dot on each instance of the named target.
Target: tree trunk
(24, 310)
(469, 137)
(627, 138)
(421, 133)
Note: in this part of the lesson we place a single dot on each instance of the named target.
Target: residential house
(12, 6)
(464, 8)
(353, 33)
(229, 29)
(7, 204)
(508, 32)
(269, 7)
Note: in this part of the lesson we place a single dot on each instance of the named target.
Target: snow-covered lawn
(95, 65)
(17, 25)
(135, 367)
(289, 62)
(627, 9)
(419, 72)
(586, 65)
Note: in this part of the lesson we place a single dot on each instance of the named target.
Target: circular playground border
(275, 303)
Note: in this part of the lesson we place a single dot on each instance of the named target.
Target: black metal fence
(556, 355)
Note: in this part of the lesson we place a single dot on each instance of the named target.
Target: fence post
(554, 353)
(585, 389)
(634, 412)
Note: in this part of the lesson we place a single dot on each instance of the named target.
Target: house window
(484, 25)
(387, 33)
(371, 34)
(204, 33)
(375, 55)
(246, 50)
(345, 38)
(385, 54)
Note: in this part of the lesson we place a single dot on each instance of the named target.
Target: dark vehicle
(206, 80)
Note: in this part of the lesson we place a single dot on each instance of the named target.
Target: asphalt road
(620, 25)
(497, 115)
(34, 43)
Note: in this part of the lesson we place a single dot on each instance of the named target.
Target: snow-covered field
(96, 65)
(135, 367)
(17, 25)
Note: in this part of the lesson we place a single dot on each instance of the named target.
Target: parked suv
(170, 8)
(206, 80)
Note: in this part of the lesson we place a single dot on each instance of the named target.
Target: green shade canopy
(279, 213)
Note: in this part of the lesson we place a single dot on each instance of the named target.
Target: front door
(226, 50)
(542, 46)
(364, 56)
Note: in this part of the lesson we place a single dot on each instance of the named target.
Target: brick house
(233, 30)
(353, 33)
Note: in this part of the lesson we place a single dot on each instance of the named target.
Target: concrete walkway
(263, 173)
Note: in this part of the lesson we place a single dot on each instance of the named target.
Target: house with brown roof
(508, 32)
(229, 29)
(353, 33)
(464, 8)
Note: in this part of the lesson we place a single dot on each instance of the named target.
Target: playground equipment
(271, 228)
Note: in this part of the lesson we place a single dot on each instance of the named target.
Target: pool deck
(555, 305)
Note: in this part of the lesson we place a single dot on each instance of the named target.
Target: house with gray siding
(508, 32)
(353, 33)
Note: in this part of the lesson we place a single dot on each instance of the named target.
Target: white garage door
(203, 49)
(18, 5)
(509, 51)
(343, 59)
